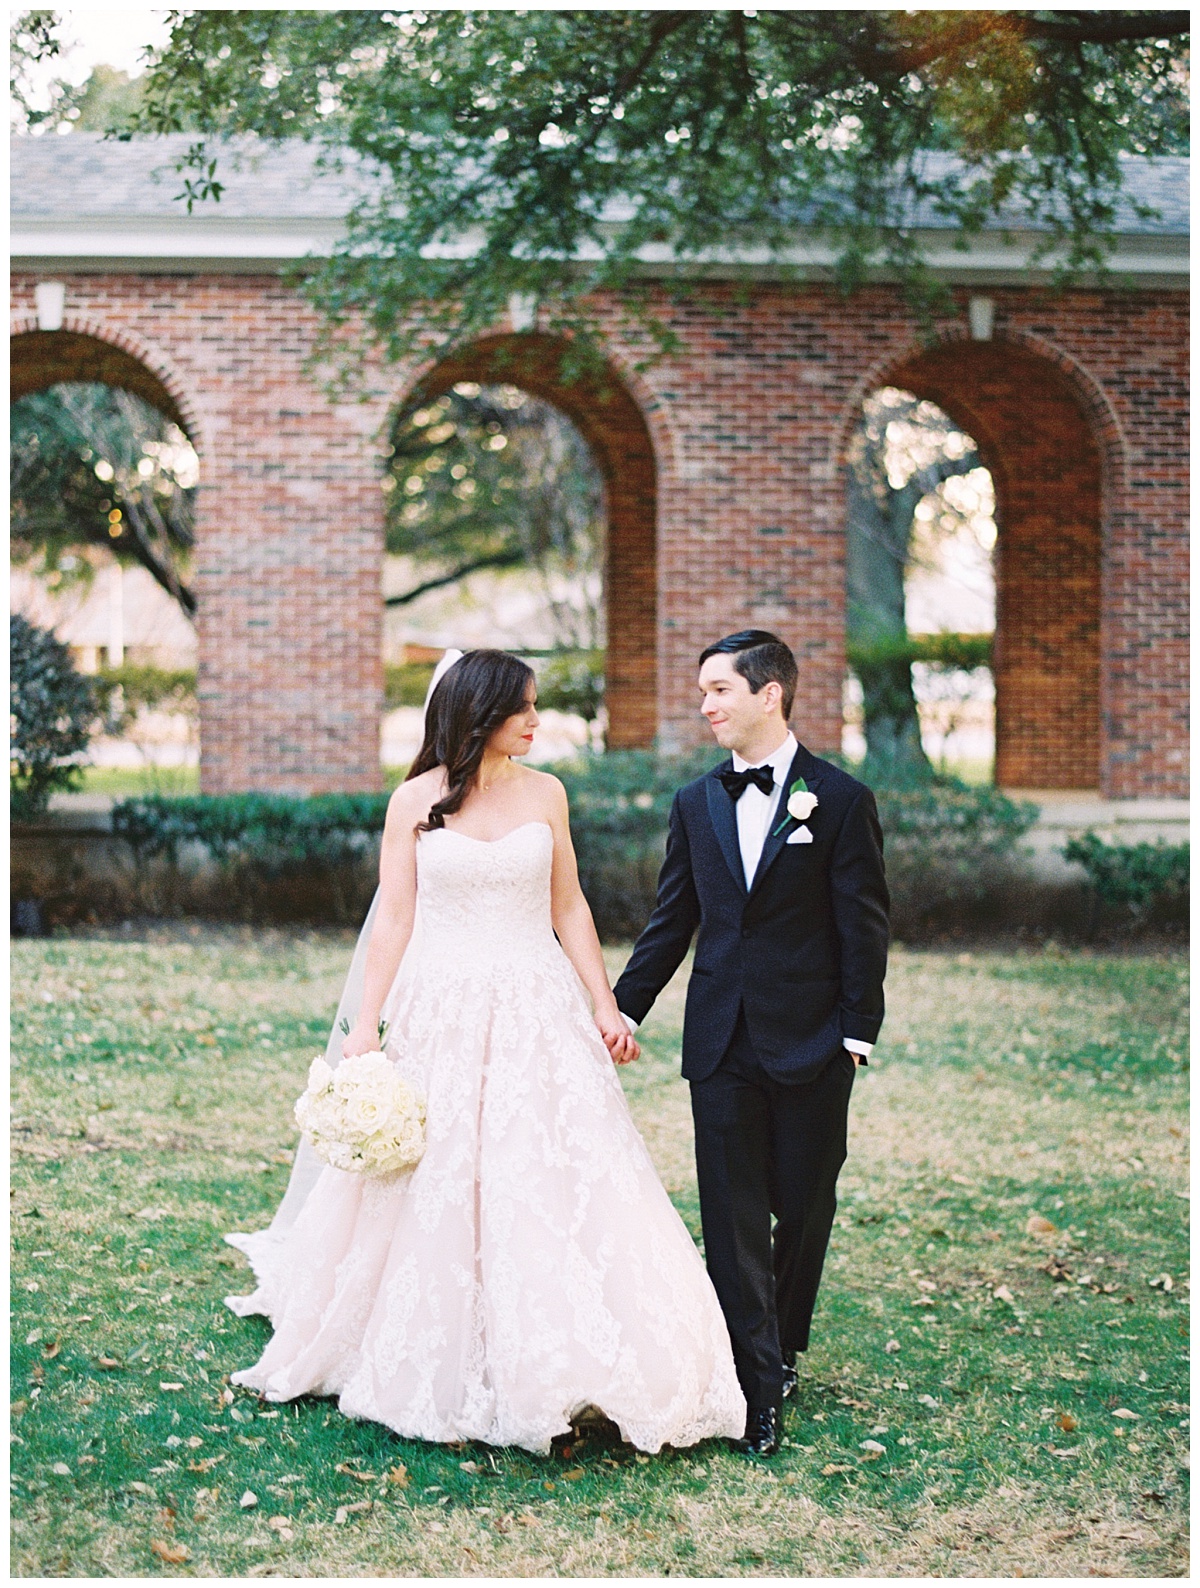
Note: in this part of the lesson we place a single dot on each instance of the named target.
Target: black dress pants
(768, 1149)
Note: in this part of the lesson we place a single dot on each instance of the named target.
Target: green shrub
(406, 683)
(940, 837)
(572, 681)
(124, 691)
(52, 718)
(313, 858)
(620, 803)
(1141, 877)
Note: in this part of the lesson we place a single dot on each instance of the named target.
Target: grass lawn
(985, 1396)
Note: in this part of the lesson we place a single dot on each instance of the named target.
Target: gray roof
(85, 175)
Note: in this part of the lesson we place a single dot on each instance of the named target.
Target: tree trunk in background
(878, 536)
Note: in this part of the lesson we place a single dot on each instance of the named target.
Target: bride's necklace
(485, 786)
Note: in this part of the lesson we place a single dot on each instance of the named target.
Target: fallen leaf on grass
(1074, 1451)
(830, 1467)
(1003, 1293)
(469, 1466)
(206, 1465)
(140, 1488)
(282, 1526)
(348, 1471)
(248, 1500)
(61, 1468)
(526, 1520)
(50, 1351)
(399, 1475)
(343, 1511)
(1123, 1411)
(1067, 1423)
(107, 1361)
(892, 1346)
(873, 1445)
(169, 1385)
(1040, 1227)
(173, 1554)
(574, 1475)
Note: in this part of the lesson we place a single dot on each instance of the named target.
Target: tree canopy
(547, 154)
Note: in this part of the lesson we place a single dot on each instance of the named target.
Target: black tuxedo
(784, 970)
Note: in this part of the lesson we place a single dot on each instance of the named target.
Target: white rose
(801, 805)
(319, 1075)
(365, 1111)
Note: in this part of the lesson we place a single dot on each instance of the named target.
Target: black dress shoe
(762, 1432)
(789, 1374)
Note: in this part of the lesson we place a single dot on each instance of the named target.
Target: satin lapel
(722, 813)
(781, 823)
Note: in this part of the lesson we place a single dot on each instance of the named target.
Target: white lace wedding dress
(531, 1265)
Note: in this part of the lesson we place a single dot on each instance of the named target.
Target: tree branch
(507, 559)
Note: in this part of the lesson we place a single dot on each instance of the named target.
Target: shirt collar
(779, 762)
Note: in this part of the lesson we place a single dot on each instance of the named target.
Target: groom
(777, 857)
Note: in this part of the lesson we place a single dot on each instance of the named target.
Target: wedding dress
(531, 1265)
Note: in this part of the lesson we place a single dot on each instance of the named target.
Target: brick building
(723, 464)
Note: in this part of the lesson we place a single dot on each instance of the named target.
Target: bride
(531, 1265)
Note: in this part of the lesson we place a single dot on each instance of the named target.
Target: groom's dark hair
(762, 658)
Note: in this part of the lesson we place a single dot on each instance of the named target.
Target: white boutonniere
(801, 803)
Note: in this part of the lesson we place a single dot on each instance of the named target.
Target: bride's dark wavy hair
(481, 690)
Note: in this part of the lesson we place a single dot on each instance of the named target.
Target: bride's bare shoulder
(410, 802)
(544, 789)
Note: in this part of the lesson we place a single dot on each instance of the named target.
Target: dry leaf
(173, 1554)
(1123, 1411)
(107, 1361)
(140, 1488)
(1067, 1423)
(873, 1445)
(170, 1385)
(348, 1471)
(399, 1475)
(892, 1346)
(343, 1511)
(469, 1466)
(828, 1470)
(1003, 1293)
(1071, 1452)
(208, 1463)
(61, 1468)
(1040, 1227)
(50, 1351)
(193, 1441)
(526, 1520)
(248, 1500)
(574, 1475)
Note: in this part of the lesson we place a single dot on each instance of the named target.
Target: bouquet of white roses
(362, 1116)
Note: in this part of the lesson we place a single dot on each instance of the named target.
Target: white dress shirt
(756, 812)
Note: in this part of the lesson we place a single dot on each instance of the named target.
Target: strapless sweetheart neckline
(454, 833)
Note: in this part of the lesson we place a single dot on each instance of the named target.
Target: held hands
(618, 1039)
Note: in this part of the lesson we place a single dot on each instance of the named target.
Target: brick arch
(1055, 454)
(86, 351)
(612, 421)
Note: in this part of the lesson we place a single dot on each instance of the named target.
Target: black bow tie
(738, 782)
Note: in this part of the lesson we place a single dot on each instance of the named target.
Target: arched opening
(104, 471)
(1038, 445)
(601, 408)
(920, 592)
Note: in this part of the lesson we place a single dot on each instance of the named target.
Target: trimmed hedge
(945, 842)
(1141, 878)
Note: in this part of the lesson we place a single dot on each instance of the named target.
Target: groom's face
(736, 716)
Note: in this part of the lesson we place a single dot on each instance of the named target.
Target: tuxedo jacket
(803, 950)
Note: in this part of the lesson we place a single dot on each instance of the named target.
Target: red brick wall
(735, 450)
